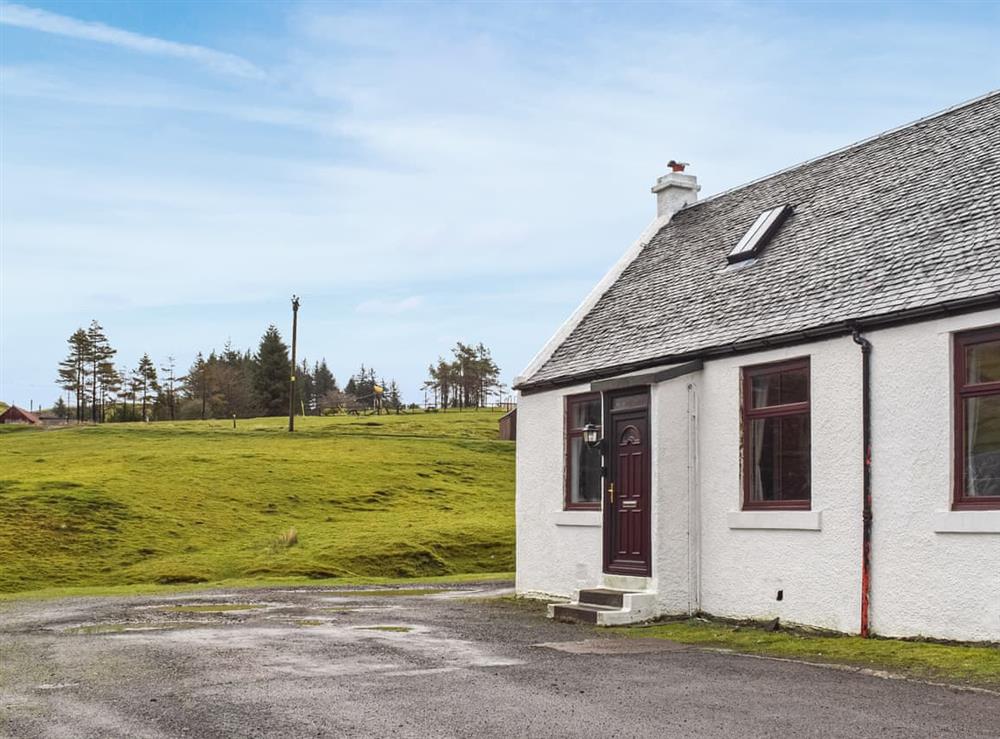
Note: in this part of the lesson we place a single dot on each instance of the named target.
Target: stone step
(604, 597)
(578, 613)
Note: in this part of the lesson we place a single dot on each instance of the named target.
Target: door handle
(611, 491)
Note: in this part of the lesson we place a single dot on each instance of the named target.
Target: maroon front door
(627, 489)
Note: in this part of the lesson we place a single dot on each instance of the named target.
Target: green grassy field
(197, 502)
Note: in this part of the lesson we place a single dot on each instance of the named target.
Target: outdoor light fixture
(592, 435)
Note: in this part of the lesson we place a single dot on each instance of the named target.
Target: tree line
(467, 380)
(243, 383)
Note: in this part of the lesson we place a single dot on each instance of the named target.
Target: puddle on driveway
(396, 592)
(213, 607)
(332, 649)
(122, 628)
(614, 646)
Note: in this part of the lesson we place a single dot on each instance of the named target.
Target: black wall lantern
(592, 435)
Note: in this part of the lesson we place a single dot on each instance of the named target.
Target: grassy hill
(390, 496)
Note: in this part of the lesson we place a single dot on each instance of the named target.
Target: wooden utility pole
(291, 389)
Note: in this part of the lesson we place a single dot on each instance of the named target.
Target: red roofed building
(19, 415)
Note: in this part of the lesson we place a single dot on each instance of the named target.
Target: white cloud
(383, 307)
(22, 16)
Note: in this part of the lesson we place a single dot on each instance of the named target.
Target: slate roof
(907, 220)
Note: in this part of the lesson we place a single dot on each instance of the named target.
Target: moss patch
(973, 664)
(394, 629)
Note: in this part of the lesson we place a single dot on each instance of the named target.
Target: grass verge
(967, 664)
(244, 583)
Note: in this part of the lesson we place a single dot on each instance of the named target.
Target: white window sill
(578, 518)
(967, 522)
(779, 520)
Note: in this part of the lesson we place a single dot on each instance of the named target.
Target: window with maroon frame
(776, 436)
(977, 419)
(583, 464)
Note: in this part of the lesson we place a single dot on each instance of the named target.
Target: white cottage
(784, 401)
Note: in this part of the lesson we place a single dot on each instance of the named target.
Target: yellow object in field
(378, 389)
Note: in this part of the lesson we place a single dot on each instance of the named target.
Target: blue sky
(419, 173)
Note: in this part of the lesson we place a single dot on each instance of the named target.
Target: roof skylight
(760, 232)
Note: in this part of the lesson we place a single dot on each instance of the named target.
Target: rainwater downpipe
(694, 504)
(866, 510)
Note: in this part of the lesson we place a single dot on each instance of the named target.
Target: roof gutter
(841, 328)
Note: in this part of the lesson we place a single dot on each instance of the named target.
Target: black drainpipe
(866, 515)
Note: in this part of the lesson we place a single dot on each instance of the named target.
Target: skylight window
(760, 232)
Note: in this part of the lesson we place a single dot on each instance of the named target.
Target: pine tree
(134, 390)
(148, 386)
(59, 408)
(305, 389)
(73, 370)
(467, 380)
(99, 351)
(110, 383)
(272, 370)
(170, 379)
(393, 396)
(234, 377)
(196, 383)
(124, 393)
(323, 383)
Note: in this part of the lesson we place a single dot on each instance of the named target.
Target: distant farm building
(19, 415)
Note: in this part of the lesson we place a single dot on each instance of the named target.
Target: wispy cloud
(22, 16)
(390, 307)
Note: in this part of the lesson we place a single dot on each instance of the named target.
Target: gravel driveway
(311, 662)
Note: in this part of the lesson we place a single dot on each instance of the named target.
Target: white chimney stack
(675, 190)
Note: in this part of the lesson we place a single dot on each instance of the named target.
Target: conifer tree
(393, 396)
(323, 379)
(305, 389)
(147, 383)
(110, 382)
(196, 382)
(59, 408)
(467, 380)
(272, 369)
(73, 370)
(98, 351)
(169, 380)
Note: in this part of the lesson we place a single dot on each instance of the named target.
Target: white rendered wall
(556, 555)
(924, 582)
(674, 540)
(819, 571)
